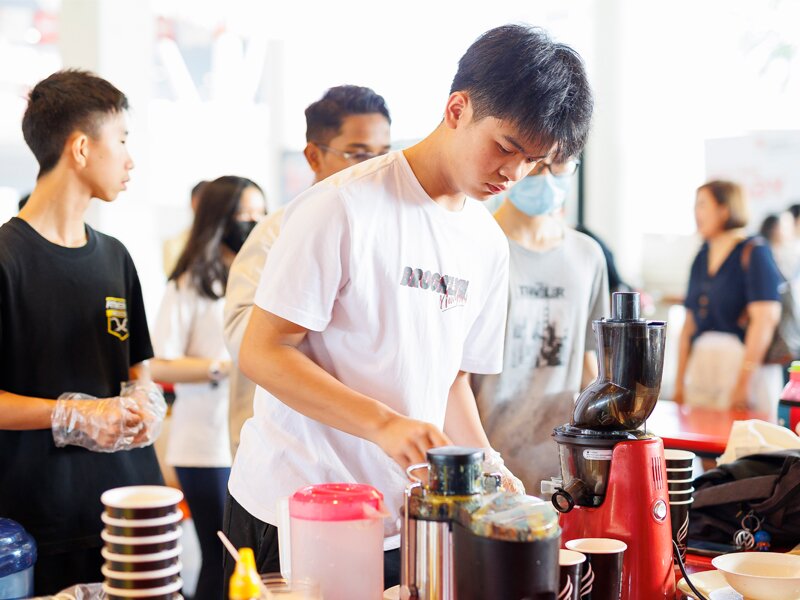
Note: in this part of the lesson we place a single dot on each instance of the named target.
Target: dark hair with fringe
(325, 116)
(517, 74)
(216, 213)
(67, 101)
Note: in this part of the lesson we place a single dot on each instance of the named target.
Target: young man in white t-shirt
(388, 286)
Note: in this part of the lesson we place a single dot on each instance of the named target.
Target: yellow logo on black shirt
(117, 317)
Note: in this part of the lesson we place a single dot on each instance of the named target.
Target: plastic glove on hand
(493, 463)
(97, 424)
(150, 399)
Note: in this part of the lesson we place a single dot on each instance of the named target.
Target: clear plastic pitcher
(337, 539)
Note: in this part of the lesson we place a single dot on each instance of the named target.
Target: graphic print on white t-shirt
(540, 337)
(451, 291)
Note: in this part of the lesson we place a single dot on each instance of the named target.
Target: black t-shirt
(71, 320)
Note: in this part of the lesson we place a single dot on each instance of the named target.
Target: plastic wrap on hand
(97, 424)
(150, 398)
(493, 463)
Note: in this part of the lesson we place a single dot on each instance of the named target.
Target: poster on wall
(765, 162)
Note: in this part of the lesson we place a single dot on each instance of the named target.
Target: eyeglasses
(564, 169)
(359, 156)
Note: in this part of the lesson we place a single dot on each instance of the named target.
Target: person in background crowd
(732, 310)
(794, 209)
(174, 246)
(362, 351)
(348, 125)
(72, 321)
(191, 354)
(557, 287)
(778, 231)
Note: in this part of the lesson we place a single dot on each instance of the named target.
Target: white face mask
(540, 194)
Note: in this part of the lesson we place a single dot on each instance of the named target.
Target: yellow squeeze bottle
(245, 583)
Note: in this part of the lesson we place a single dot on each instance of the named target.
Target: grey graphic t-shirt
(553, 298)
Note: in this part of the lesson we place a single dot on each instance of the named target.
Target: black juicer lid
(452, 456)
(455, 470)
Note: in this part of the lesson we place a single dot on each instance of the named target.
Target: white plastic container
(337, 539)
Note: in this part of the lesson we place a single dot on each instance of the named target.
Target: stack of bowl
(679, 483)
(142, 547)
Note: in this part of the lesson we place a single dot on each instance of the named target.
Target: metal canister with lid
(455, 481)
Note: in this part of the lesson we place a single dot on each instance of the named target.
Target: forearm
(187, 369)
(462, 422)
(756, 341)
(303, 385)
(20, 413)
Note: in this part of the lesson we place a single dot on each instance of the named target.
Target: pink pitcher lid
(336, 502)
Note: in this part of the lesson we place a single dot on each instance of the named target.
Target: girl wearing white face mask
(557, 287)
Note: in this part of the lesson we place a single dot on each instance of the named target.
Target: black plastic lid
(453, 456)
(625, 306)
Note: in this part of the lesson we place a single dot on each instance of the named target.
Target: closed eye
(504, 150)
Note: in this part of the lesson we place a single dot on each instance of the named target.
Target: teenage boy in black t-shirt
(72, 321)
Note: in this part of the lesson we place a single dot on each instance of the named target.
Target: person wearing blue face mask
(557, 286)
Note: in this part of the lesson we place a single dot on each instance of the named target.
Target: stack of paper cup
(679, 483)
(142, 547)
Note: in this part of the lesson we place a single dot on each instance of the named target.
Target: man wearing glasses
(388, 286)
(557, 287)
(348, 125)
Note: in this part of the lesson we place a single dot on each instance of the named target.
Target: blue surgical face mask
(539, 194)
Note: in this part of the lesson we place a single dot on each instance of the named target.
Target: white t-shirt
(398, 295)
(189, 324)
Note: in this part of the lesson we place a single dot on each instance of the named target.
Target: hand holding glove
(493, 463)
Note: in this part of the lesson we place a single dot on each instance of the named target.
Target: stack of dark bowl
(142, 549)
(680, 466)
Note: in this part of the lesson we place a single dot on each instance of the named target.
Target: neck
(539, 233)
(57, 207)
(727, 237)
(428, 161)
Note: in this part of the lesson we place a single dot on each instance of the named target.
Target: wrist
(381, 419)
(215, 373)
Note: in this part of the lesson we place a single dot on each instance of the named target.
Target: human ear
(311, 152)
(78, 148)
(456, 109)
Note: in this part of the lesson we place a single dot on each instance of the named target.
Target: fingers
(438, 438)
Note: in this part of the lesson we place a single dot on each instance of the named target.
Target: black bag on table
(767, 484)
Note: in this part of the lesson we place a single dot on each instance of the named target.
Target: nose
(516, 169)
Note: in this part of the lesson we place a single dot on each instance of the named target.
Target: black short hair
(795, 210)
(66, 101)
(324, 117)
(517, 74)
